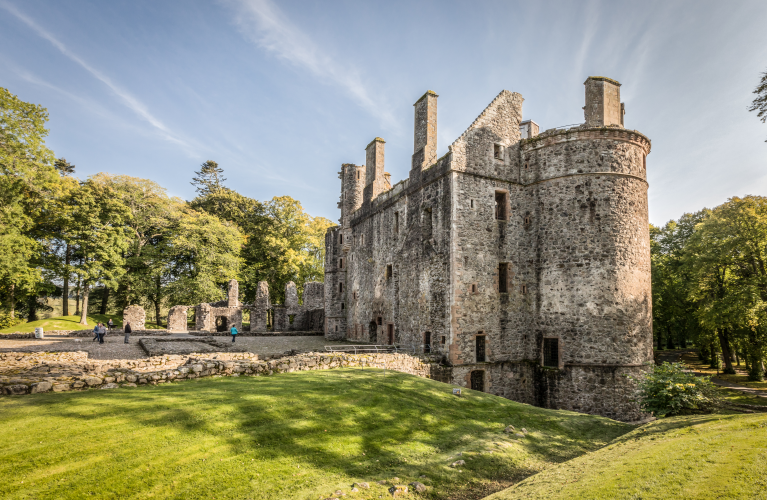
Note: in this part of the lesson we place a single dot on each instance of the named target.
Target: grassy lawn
(740, 378)
(69, 323)
(692, 457)
(300, 435)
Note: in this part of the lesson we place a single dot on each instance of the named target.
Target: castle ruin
(522, 257)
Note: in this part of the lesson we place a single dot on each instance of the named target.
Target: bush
(670, 390)
(6, 321)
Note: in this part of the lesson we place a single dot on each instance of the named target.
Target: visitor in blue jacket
(233, 331)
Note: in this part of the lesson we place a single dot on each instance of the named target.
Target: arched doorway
(478, 380)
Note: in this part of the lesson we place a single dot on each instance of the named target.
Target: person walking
(233, 331)
(110, 324)
(127, 332)
(102, 332)
(95, 333)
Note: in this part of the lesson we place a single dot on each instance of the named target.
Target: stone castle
(523, 258)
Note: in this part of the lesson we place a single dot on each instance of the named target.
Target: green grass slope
(69, 323)
(300, 435)
(693, 457)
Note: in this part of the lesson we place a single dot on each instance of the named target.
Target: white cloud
(128, 100)
(263, 23)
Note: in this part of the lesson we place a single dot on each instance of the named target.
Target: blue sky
(282, 93)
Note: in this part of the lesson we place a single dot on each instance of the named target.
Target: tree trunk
(714, 357)
(77, 298)
(755, 371)
(660, 340)
(669, 338)
(32, 304)
(737, 357)
(104, 301)
(65, 290)
(84, 316)
(724, 342)
(157, 285)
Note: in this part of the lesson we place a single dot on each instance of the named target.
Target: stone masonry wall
(134, 315)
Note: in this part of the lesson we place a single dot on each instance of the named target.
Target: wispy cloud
(127, 99)
(263, 23)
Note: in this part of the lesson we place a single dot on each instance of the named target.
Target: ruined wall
(135, 315)
(177, 319)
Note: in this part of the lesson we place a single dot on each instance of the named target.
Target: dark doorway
(480, 348)
(390, 328)
(427, 342)
(221, 323)
(551, 352)
(478, 380)
(372, 332)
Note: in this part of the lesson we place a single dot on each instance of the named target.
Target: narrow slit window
(480, 348)
(343, 306)
(341, 239)
(551, 352)
(341, 263)
(388, 271)
(523, 289)
(501, 205)
(497, 152)
(527, 220)
(503, 277)
(358, 175)
(472, 203)
(396, 222)
(473, 288)
(427, 224)
(340, 287)
(442, 340)
(427, 342)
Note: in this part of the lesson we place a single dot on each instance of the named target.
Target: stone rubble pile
(31, 373)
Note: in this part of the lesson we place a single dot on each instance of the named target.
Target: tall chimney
(374, 169)
(603, 102)
(425, 131)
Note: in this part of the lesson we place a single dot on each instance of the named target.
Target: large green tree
(759, 103)
(28, 183)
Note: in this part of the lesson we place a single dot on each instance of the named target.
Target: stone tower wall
(425, 130)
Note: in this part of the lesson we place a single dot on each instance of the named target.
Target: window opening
(480, 348)
(391, 333)
(221, 324)
(358, 175)
(478, 380)
(497, 151)
(551, 352)
(473, 288)
(427, 224)
(527, 220)
(380, 320)
(501, 205)
(524, 289)
(396, 222)
(388, 271)
(472, 203)
(503, 277)
(442, 340)
(343, 306)
(427, 342)
(336, 327)
(341, 287)
(341, 263)
(341, 239)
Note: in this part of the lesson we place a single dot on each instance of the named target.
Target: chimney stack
(603, 102)
(425, 131)
(374, 169)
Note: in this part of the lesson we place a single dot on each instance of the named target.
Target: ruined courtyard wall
(335, 318)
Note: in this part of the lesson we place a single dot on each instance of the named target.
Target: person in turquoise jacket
(233, 331)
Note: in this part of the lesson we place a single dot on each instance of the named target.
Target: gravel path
(115, 348)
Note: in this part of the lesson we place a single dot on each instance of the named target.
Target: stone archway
(221, 323)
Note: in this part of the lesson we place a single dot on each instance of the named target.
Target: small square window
(551, 352)
(442, 340)
(380, 320)
(343, 306)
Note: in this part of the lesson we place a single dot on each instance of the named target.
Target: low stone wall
(105, 375)
(162, 347)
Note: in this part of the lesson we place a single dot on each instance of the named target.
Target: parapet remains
(222, 315)
(522, 257)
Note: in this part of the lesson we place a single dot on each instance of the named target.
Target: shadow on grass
(403, 424)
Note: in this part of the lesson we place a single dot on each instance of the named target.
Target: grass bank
(300, 435)
(691, 457)
(69, 323)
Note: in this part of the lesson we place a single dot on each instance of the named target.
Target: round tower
(590, 230)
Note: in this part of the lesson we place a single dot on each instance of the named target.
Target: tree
(64, 167)
(97, 233)
(28, 183)
(210, 178)
(760, 102)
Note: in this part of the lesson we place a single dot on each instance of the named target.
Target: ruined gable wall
(335, 319)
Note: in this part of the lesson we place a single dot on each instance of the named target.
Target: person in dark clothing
(102, 332)
(233, 331)
(110, 324)
(127, 332)
(95, 333)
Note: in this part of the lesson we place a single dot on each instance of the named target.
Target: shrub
(670, 390)
(6, 321)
